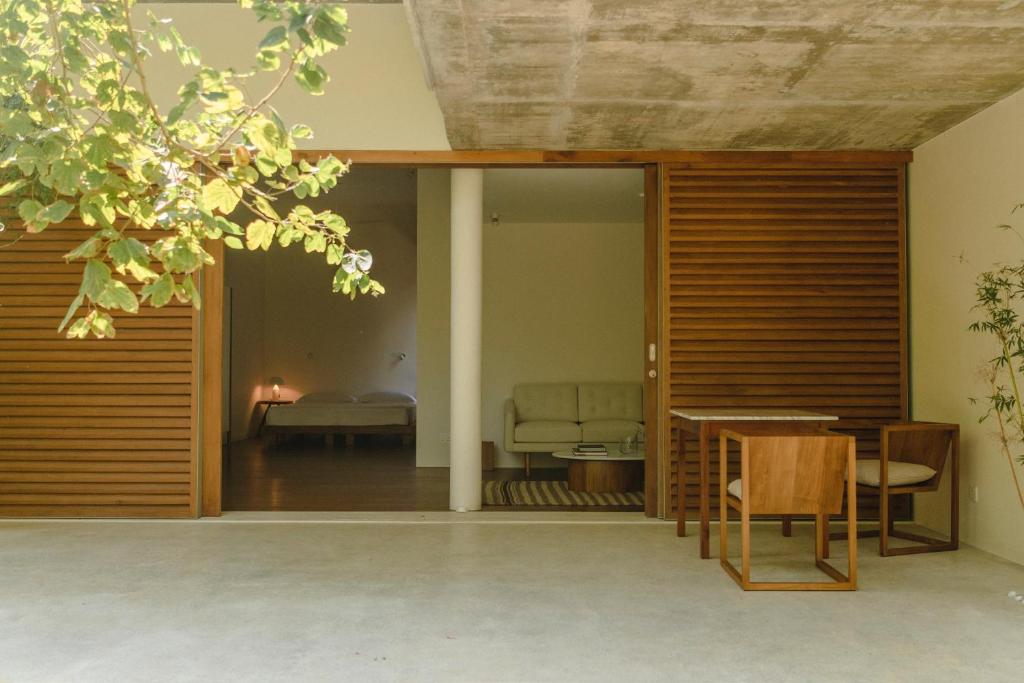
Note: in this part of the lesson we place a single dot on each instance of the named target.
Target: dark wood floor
(306, 475)
(378, 474)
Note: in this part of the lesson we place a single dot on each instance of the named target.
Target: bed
(330, 413)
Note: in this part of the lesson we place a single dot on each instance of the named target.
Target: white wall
(562, 302)
(962, 184)
(562, 299)
(245, 279)
(433, 314)
(377, 97)
(289, 324)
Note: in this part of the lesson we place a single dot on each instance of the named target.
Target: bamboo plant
(999, 294)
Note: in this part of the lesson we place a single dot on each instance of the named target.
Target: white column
(467, 275)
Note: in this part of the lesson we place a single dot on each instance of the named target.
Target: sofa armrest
(510, 423)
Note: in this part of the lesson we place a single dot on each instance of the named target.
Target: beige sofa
(544, 418)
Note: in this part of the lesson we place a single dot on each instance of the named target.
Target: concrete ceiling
(715, 74)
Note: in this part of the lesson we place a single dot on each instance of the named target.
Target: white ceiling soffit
(728, 74)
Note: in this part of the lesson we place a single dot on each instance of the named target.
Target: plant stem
(259, 105)
(1005, 443)
(1008, 357)
(137, 64)
(59, 50)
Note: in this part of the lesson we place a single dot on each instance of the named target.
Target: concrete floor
(437, 597)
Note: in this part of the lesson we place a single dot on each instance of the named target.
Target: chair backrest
(796, 474)
(924, 443)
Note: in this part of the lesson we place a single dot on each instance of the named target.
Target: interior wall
(433, 313)
(289, 324)
(245, 277)
(562, 299)
(963, 183)
(563, 302)
(377, 97)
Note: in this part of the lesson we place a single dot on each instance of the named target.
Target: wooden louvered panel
(90, 428)
(783, 289)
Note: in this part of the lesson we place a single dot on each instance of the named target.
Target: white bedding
(323, 414)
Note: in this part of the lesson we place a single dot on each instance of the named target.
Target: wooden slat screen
(783, 289)
(89, 428)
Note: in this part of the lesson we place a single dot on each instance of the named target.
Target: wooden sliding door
(783, 288)
(90, 428)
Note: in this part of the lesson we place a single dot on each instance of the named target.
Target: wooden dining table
(705, 424)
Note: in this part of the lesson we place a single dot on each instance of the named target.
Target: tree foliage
(80, 132)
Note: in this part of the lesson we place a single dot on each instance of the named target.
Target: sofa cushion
(555, 402)
(548, 430)
(609, 430)
(869, 473)
(611, 401)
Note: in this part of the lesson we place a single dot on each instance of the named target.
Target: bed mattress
(340, 415)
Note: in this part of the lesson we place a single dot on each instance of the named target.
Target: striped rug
(552, 493)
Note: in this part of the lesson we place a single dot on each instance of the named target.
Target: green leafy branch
(82, 139)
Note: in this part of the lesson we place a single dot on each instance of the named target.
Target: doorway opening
(319, 399)
(563, 338)
(570, 273)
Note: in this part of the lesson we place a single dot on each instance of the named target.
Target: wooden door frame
(652, 337)
(210, 371)
(210, 453)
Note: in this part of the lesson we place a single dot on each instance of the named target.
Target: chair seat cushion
(735, 488)
(548, 430)
(609, 430)
(869, 473)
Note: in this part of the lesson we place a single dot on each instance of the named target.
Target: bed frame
(407, 432)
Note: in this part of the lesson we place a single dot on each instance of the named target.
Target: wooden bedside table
(267, 403)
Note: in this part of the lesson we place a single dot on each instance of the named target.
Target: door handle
(652, 352)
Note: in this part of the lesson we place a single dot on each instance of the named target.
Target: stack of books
(590, 449)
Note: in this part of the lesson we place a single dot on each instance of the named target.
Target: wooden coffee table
(616, 472)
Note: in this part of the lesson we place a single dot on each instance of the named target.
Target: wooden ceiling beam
(598, 158)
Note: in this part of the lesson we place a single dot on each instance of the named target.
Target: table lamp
(275, 392)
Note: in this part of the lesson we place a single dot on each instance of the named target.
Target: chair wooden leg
(954, 486)
(681, 483)
(851, 517)
(745, 544)
(820, 538)
(723, 519)
(526, 465)
(825, 536)
(787, 525)
(884, 523)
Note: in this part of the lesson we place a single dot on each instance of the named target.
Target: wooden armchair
(794, 474)
(913, 457)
